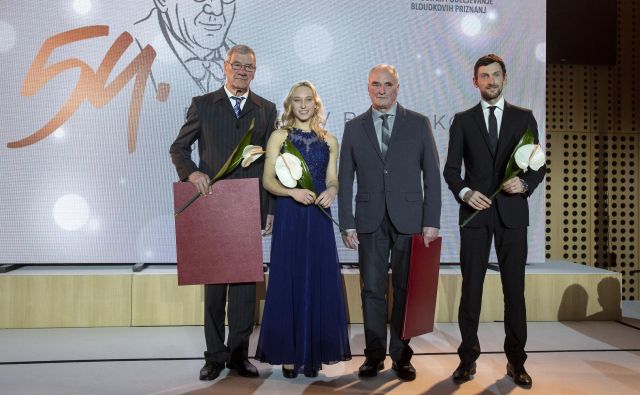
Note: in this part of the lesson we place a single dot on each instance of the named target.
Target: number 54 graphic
(92, 85)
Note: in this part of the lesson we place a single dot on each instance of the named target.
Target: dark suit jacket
(213, 124)
(407, 182)
(469, 142)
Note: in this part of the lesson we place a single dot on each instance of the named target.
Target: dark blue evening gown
(304, 320)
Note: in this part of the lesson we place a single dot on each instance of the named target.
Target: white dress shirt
(233, 102)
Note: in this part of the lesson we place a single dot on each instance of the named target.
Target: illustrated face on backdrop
(303, 103)
(490, 80)
(202, 23)
(238, 81)
(383, 89)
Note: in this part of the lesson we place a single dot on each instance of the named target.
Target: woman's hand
(303, 196)
(327, 197)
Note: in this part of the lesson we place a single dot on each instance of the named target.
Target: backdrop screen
(94, 92)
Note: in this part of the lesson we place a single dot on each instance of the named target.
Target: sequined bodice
(315, 152)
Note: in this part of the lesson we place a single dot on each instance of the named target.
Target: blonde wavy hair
(318, 119)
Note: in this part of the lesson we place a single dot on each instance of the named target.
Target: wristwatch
(525, 186)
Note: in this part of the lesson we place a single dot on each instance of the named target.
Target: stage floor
(564, 358)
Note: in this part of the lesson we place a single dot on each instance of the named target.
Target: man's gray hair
(241, 49)
(387, 67)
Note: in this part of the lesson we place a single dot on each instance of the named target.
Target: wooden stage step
(97, 296)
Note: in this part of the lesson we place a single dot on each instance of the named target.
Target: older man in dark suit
(392, 152)
(217, 121)
(484, 138)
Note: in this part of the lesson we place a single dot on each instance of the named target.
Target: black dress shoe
(519, 375)
(312, 373)
(211, 370)
(464, 372)
(289, 373)
(370, 368)
(244, 368)
(404, 370)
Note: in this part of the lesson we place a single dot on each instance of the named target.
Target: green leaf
(305, 181)
(512, 168)
(236, 156)
(232, 162)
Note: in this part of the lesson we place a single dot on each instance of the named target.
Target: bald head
(385, 67)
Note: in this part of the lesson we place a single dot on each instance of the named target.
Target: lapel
(505, 136)
(252, 103)
(220, 97)
(370, 131)
(478, 116)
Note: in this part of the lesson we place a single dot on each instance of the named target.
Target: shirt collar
(391, 112)
(230, 95)
(499, 104)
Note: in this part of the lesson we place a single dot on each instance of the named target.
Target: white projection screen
(95, 91)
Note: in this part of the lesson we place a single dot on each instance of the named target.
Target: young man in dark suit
(484, 137)
(392, 152)
(217, 121)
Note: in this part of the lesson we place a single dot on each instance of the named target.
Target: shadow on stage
(233, 383)
(575, 302)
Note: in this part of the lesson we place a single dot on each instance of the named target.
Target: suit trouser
(241, 312)
(511, 250)
(374, 253)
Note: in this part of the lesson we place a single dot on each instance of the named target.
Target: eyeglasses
(237, 66)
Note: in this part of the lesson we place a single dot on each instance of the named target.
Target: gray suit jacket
(406, 182)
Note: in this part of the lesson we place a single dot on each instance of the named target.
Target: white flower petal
(251, 150)
(245, 151)
(537, 158)
(250, 153)
(522, 156)
(287, 167)
(294, 164)
(249, 160)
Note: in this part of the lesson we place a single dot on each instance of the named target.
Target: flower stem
(331, 218)
(469, 218)
(187, 204)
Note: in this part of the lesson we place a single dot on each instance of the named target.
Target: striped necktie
(386, 135)
(236, 107)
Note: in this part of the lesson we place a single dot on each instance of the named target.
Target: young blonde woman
(304, 321)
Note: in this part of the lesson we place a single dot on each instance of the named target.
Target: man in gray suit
(392, 152)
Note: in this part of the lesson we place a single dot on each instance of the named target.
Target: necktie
(386, 135)
(493, 129)
(236, 107)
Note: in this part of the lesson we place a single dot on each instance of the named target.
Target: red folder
(422, 288)
(218, 237)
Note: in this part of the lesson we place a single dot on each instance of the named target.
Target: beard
(490, 96)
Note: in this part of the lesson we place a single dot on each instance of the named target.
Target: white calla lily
(529, 156)
(526, 155)
(288, 169)
(538, 158)
(250, 154)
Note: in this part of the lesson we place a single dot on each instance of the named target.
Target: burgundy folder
(422, 288)
(218, 237)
